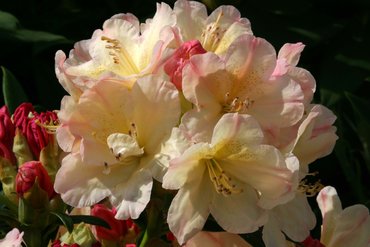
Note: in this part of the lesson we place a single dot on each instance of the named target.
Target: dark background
(336, 34)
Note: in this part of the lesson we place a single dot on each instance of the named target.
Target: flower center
(220, 180)
(120, 55)
(236, 105)
(310, 189)
(212, 35)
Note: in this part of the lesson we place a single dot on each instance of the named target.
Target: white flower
(232, 176)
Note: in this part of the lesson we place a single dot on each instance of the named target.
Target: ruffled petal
(131, 197)
(190, 18)
(186, 168)
(81, 185)
(154, 95)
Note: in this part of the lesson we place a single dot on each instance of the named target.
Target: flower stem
(153, 228)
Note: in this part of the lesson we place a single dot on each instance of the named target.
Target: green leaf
(6, 216)
(37, 36)
(65, 219)
(360, 106)
(89, 220)
(5, 201)
(8, 21)
(13, 92)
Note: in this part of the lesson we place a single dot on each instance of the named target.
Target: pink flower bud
(31, 125)
(173, 67)
(7, 132)
(27, 175)
(118, 227)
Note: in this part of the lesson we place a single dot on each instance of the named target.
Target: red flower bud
(27, 175)
(21, 116)
(58, 243)
(7, 132)
(173, 67)
(31, 125)
(118, 227)
(310, 242)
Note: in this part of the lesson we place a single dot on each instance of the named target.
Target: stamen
(309, 189)
(50, 126)
(236, 104)
(132, 131)
(220, 180)
(106, 170)
(119, 54)
(212, 35)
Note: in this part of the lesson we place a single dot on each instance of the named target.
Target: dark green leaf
(37, 36)
(65, 219)
(8, 21)
(89, 220)
(6, 216)
(5, 201)
(360, 107)
(13, 92)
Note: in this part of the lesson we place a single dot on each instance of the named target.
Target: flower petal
(189, 209)
(238, 213)
(130, 198)
(190, 18)
(330, 207)
(82, 186)
(186, 168)
(154, 95)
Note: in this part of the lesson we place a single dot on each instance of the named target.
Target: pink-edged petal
(291, 53)
(252, 60)
(153, 100)
(205, 81)
(130, 198)
(264, 169)
(280, 104)
(233, 131)
(63, 78)
(230, 24)
(316, 135)
(305, 79)
(189, 209)
(352, 228)
(183, 169)
(330, 207)
(190, 17)
(238, 213)
(216, 239)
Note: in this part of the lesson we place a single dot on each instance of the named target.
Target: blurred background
(336, 34)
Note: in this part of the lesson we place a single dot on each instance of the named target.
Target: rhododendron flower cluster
(200, 105)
